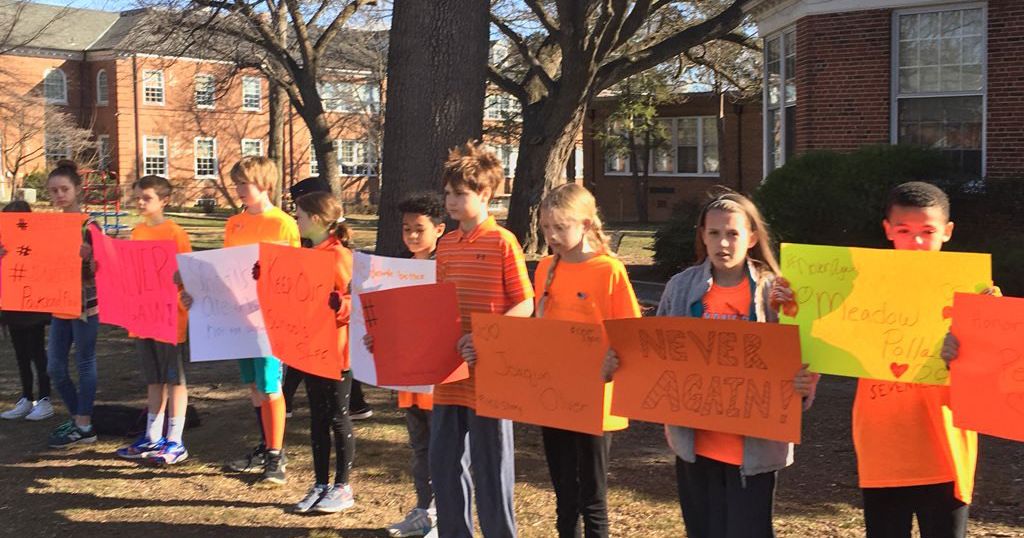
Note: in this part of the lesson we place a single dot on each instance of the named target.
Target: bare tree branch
(508, 85)
(524, 50)
(550, 24)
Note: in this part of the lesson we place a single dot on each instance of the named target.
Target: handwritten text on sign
(293, 293)
(726, 376)
(987, 378)
(42, 271)
(878, 314)
(375, 273)
(540, 371)
(135, 285)
(225, 321)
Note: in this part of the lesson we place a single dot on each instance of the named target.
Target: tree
(292, 42)
(437, 70)
(570, 51)
(34, 130)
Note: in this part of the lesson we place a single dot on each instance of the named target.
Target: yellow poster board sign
(878, 314)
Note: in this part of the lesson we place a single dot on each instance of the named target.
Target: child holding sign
(320, 221)
(486, 264)
(726, 482)
(254, 179)
(580, 282)
(163, 364)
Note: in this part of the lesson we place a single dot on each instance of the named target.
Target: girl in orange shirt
(320, 220)
(726, 482)
(582, 281)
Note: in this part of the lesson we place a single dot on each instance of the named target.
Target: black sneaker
(66, 436)
(253, 461)
(360, 414)
(273, 469)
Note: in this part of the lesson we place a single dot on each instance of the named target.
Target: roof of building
(52, 27)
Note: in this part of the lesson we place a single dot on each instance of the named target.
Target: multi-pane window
(779, 99)
(689, 147)
(154, 155)
(206, 157)
(314, 167)
(103, 152)
(500, 106)
(204, 89)
(252, 93)
(508, 154)
(940, 83)
(350, 97)
(252, 147)
(356, 157)
(55, 87)
(153, 87)
(56, 148)
(102, 88)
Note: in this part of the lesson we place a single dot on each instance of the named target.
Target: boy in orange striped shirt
(487, 266)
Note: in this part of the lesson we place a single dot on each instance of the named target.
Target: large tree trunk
(323, 146)
(278, 110)
(437, 72)
(548, 139)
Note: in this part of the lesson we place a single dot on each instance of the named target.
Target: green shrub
(674, 240)
(37, 180)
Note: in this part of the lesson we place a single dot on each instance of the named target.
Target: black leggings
(718, 502)
(328, 412)
(30, 349)
(578, 464)
(889, 512)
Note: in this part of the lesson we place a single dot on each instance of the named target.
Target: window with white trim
(939, 83)
(779, 99)
(252, 93)
(508, 154)
(204, 91)
(154, 156)
(55, 87)
(252, 147)
(689, 148)
(56, 148)
(314, 167)
(500, 106)
(102, 88)
(356, 157)
(153, 87)
(103, 152)
(577, 157)
(206, 157)
(352, 97)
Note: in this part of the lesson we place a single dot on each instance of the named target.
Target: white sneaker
(418, 522)
(42, 410)
(22, 408)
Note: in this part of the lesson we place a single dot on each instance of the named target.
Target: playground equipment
(102, 200)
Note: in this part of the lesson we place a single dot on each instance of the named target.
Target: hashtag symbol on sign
(17, 272)
(22, 225)
(371, 319)
(24, 250)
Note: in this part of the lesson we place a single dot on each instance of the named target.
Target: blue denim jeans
(460, 440)
(64, 332)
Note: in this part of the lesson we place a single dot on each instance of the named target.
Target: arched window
(55, 87)
(102, 91)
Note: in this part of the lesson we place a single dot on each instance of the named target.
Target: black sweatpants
(292, 379)
(578, 464)
(328, 413)
(889, 512)
(719, 503)
(30, 350)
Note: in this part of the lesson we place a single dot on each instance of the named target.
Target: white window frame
(213, 91)
(195, 157)
(314, 168)
(103, 160)
(53, 157)
(894, 73)
(102, 88)
(767, 166)
(673, 142)
(259, 94)
(63, 99)
(361, 150)
(259, 146)
(146, 155)
(148, 76)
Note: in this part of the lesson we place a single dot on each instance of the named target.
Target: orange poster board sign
(726, 376)
(294, 287)
(42, 271)
(415, 332)
(540, 371)
(987, 378)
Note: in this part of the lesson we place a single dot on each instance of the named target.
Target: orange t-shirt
(342, 279)
(722, 302)
(271, 226)
(589, 292)
(489, 271)
(415, 399)
(904, 436)
(168, 230)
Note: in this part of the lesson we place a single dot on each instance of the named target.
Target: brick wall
(1005, 137)
(843, 77)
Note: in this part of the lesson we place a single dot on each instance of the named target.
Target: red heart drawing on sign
(898, 369)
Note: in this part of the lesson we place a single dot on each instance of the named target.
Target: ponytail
(340, 231)
(578, 202)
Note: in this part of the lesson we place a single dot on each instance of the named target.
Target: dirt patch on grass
(88, 492)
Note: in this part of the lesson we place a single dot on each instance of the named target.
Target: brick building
(940, 73)
(188, 119)
(712, 139)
